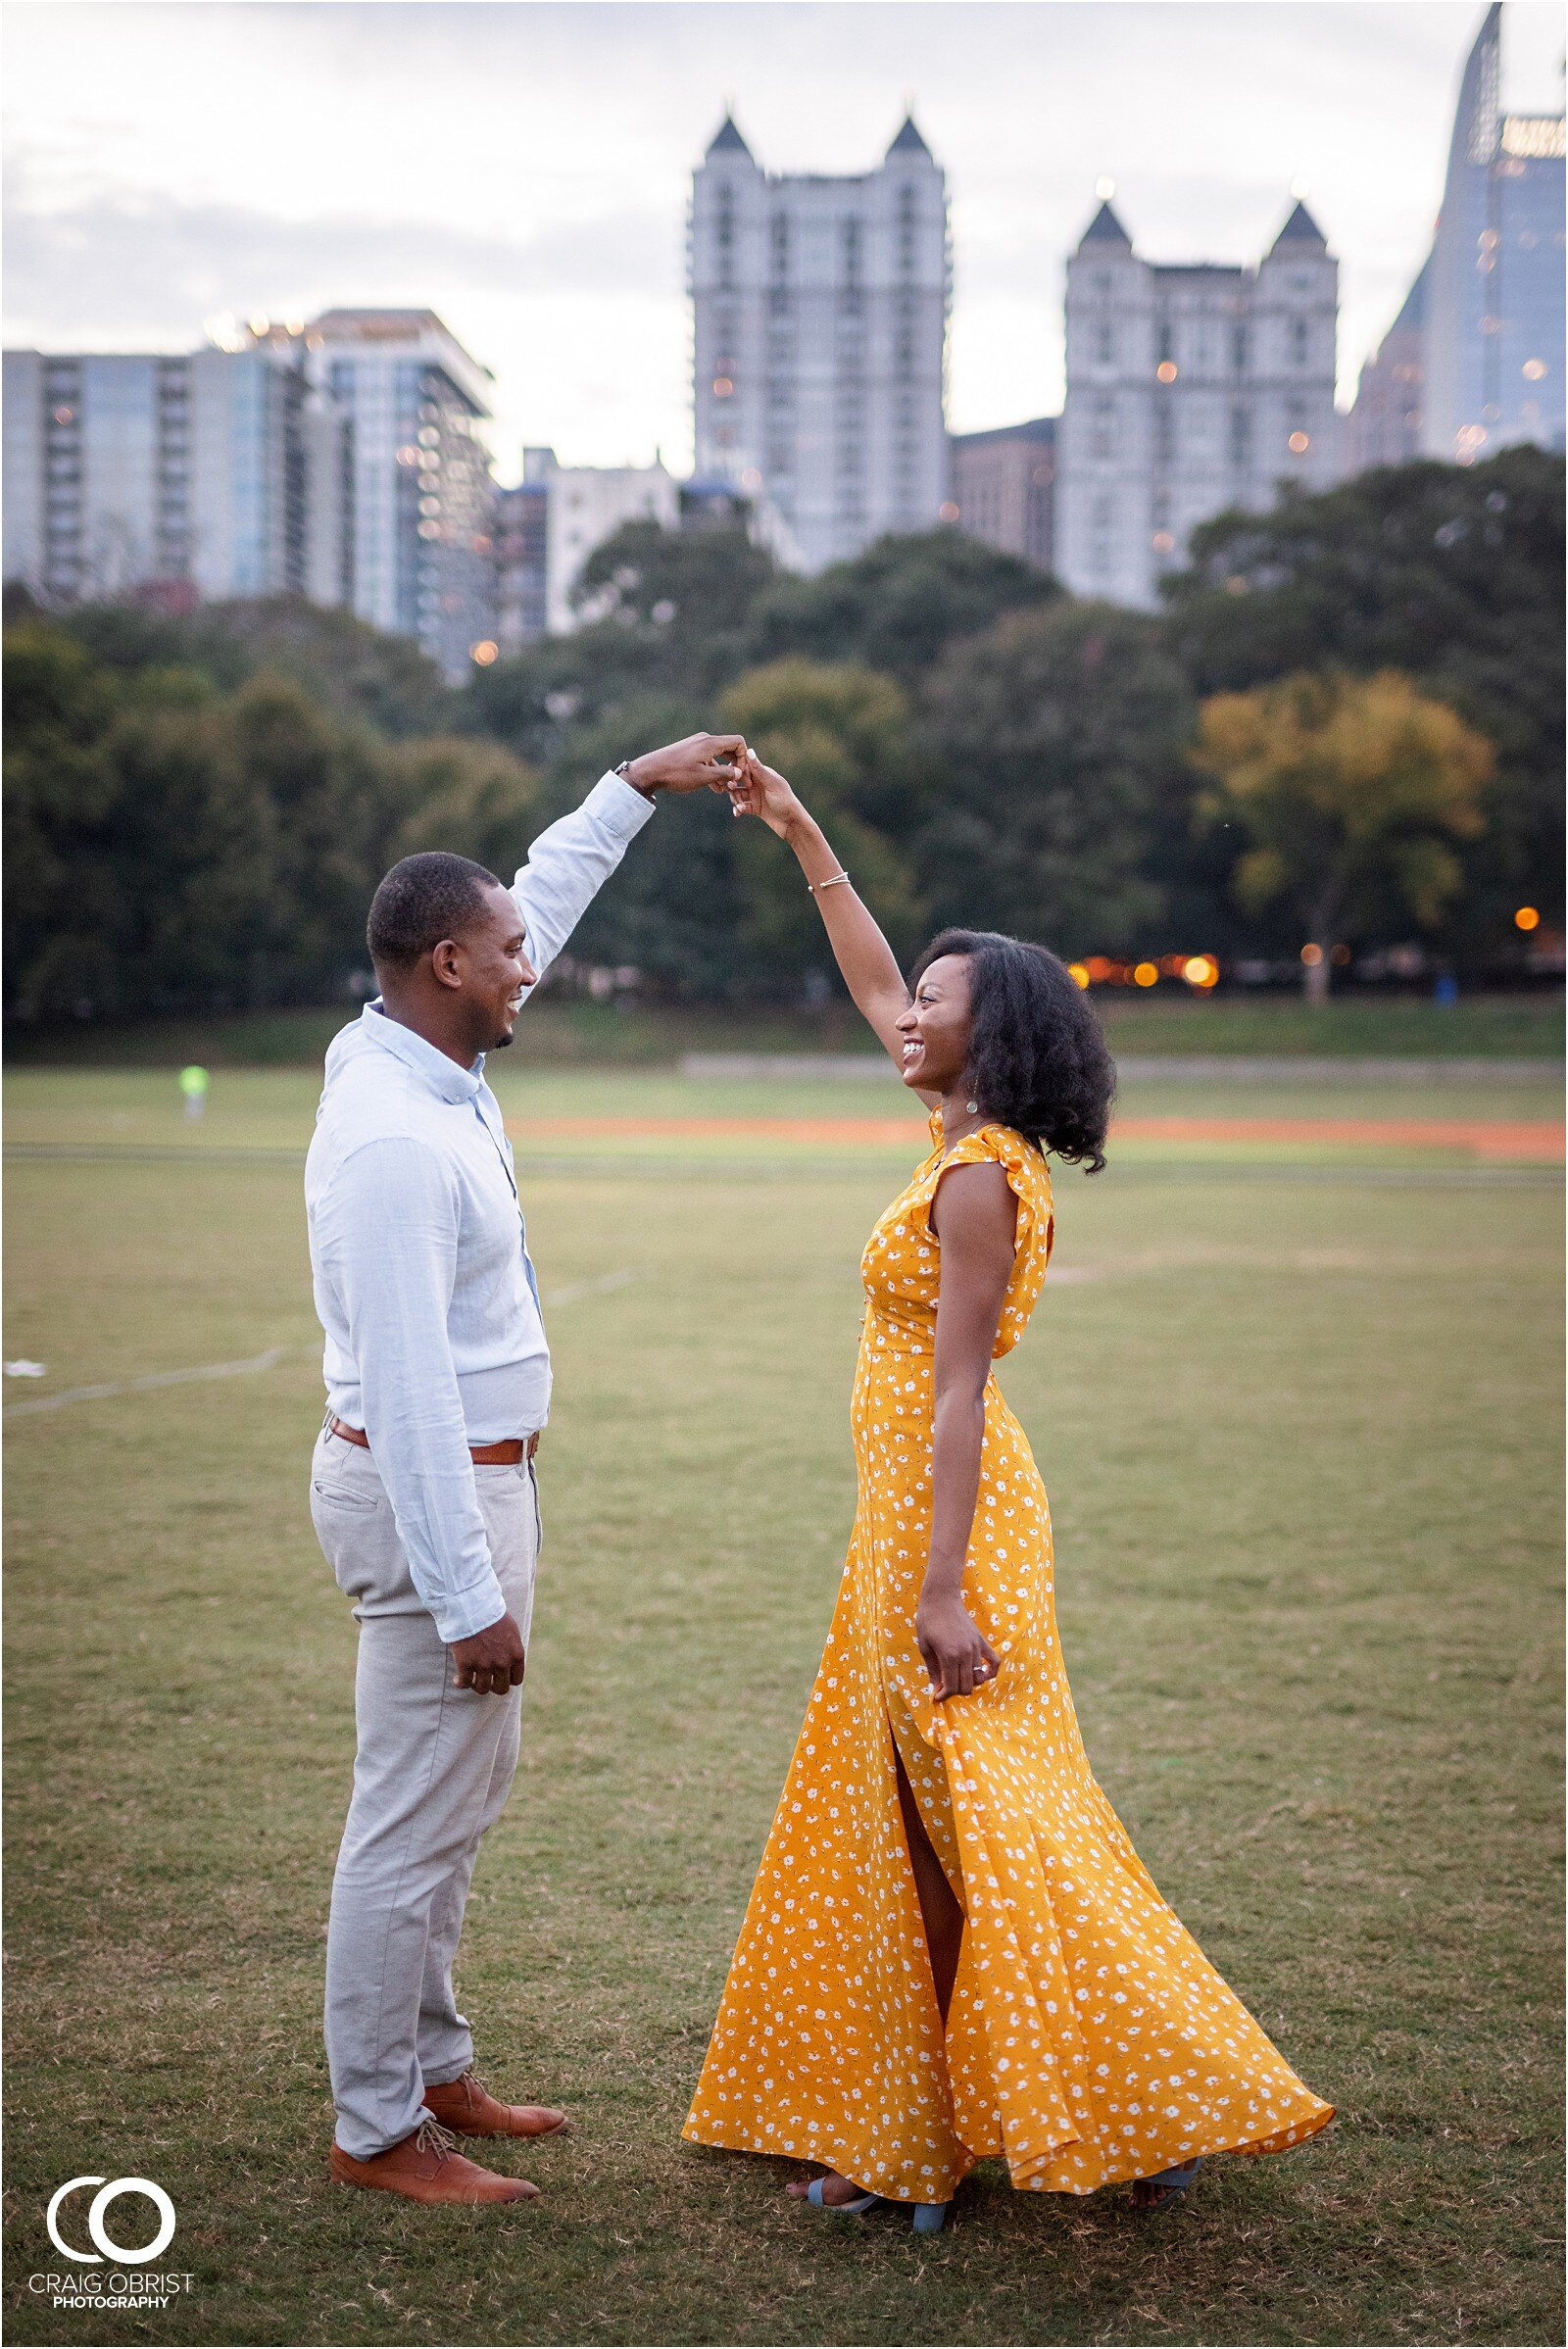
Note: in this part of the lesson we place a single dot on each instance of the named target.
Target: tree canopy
(1353, 792)
(898, 606)
(199, 806)
(1451, 573)
(1059, 738)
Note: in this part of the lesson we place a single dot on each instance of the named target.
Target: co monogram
(107, 2247)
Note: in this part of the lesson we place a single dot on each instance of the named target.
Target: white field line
(599, 1287)
(151, 1378)
(107, 1388)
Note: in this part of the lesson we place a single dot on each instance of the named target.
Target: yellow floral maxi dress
(1089, 2039)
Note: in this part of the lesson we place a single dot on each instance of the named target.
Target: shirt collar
(439, 1071)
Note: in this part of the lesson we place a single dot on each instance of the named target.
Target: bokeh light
(1528, 917)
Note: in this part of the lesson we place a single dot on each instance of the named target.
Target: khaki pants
(431, 1773)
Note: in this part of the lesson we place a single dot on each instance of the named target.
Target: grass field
(559, 1032)
(1299, 1417)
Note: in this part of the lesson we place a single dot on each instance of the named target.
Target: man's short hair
(422, 901)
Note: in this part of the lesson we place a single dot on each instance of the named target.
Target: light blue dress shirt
(434, 1337)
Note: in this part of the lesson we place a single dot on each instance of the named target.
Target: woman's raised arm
(871, 969)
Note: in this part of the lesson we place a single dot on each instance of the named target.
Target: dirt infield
(1535, 1140)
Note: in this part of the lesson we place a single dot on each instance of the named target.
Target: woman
(952, 1949)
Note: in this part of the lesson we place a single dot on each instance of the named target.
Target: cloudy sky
(525, 168)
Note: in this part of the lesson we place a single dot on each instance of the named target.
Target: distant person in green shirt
(193, 1084)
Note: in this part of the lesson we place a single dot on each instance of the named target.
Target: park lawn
(1301, 1436)
(567, 1118)
(560, 1032)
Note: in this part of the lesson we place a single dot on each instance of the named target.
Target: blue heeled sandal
(929, 2217)
(1171, 2182)
(840, 2210)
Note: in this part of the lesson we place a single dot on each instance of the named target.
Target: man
(422, 1482)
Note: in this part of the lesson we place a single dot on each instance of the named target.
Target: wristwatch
(623, 770)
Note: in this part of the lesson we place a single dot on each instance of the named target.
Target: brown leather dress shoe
(470, 2110)
(427, 2168)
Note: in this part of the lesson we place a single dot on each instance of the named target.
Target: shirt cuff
(464, 1613)
(622, 810)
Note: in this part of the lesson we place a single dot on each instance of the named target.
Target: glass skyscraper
(176, 478)
(422, 559)
(1493, 328)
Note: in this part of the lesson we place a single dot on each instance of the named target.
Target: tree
(351, 669)
(1451, 573)
(894, 606)
(471, 798)
(1350, 791)
(171, 846)
(664, 613)
(673, 908)
(1061, 791)
(842, 736)
(59, 784)
(688, 595)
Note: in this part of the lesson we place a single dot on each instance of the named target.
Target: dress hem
(1025, 2177)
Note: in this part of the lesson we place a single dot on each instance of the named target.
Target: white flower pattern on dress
(1089, 2039)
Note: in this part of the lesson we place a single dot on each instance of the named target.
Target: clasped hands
(721, 762)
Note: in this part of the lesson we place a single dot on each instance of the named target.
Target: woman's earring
(973, 1108)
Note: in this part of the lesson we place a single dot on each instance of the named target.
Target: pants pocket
(357, 1533)
(330, 1496)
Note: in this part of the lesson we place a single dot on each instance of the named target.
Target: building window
(1106, 345)
(1239, 353)
(1298, 341)
(1101, 519)
(1241, 436)
(1103, 438)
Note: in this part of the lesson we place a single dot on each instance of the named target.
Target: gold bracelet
(831, 882)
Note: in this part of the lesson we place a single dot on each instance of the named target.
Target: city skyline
(138, 206)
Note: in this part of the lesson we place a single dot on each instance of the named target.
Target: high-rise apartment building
(821, 322)
(1191, 387)
(1493, 333)
(1003, 486)
(523, 554)
(182, 478)
(423, 556)
(588, 503)
(1384, 427)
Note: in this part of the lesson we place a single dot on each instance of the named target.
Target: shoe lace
(431, 2138)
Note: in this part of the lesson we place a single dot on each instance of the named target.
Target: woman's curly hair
(1037, 1061)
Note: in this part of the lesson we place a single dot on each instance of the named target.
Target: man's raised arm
(572, 861)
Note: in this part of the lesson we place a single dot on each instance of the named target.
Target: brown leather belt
(510, 1453)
